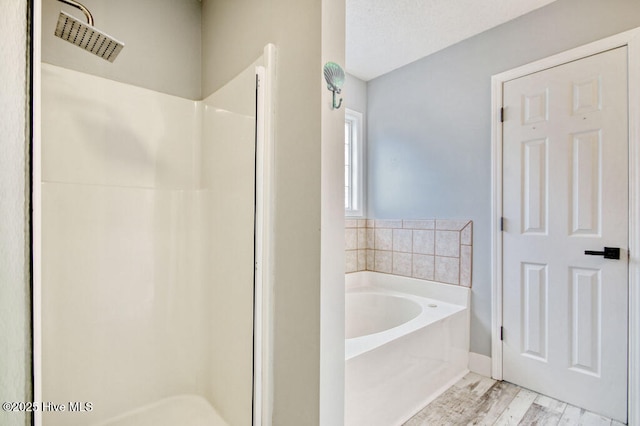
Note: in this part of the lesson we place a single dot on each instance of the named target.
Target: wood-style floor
(478, 400)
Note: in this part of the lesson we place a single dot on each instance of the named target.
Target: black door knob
(608, 253)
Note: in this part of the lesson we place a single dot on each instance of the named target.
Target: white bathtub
(407, 341)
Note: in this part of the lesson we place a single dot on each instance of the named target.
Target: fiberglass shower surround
(147, 287)
(147, 251)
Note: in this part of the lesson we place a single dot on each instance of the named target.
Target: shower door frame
(263, 245)
(36, 206)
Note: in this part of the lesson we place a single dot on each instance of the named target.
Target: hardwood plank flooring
(478, 400)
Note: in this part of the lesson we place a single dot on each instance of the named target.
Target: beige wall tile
(448, 243)
(350, 223)
(402, 264)
(371, 264)
(424, 242)
(431, 249)
(370, 238)
(362, 238)
(466, 235)
(447, 270)
(451, 225)
(465, 266)
(383, 261)
(388, 223)
(351, 238)
(419, 224)
(383, 239)
(351, 261)
(402, 240)
(423, 266)
(362, 260)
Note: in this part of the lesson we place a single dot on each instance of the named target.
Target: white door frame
(631, 39)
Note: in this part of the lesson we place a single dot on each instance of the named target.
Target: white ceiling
(383, 35)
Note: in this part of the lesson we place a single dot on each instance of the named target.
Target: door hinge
(502, 224)
(502, 114)
(501, 333)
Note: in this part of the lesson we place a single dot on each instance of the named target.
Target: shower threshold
(185, 410)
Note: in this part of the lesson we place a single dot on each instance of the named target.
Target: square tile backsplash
(429, 249)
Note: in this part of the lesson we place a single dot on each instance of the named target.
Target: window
(353, 164)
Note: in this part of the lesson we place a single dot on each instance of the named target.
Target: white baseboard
(480, 364)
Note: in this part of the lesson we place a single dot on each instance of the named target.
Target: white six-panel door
(565, 191)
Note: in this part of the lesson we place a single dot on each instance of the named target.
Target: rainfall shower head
(86, 36)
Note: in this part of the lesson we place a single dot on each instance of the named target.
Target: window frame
(356, 120)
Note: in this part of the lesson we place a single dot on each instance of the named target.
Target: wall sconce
(334, 75)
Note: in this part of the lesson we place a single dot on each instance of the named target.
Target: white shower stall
(147, 207)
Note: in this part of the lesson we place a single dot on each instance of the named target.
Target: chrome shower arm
(82, 8)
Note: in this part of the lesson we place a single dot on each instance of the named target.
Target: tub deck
(431, 311)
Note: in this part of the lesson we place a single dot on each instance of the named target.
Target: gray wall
(355, 94)
(231, 45)
(161, 37)
(305, 342)
(429, 133)
(15, 333)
